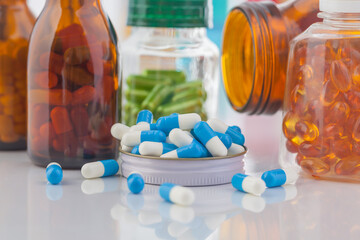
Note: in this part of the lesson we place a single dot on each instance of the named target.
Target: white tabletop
(33, 210)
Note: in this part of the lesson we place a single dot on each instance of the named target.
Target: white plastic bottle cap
(340, 6)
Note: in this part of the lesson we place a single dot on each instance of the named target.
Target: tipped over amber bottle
(72, 84)
(16, 23)
(255, 51)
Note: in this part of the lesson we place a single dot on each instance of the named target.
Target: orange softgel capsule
(322, 121)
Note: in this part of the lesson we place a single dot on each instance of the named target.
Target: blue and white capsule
(98, 169)
(236, 128)
(135, 150)
(235, 149)
(182, 121)
(135, 182)
(155, 149)
(279, 177)
(225, 139)
(54, 173)
(248, 184)
(177, 194)
(118, 130)
(143, 126)
(193, 150)
(210, 140)
(132, 139)
(219, 126)
(144, 116)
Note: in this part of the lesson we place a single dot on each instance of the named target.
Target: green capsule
(190, 106)
(189, 94)
(188, 85)
(131, 111)
(163, 95)
(176, 76)
(151, 96)
(136, 96)
(146, 82)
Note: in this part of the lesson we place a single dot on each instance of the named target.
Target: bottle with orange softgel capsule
(321, 122)
(16, 23)
(72, 84)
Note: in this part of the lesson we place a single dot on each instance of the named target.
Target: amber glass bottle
(255, 51)
(16, 23)
(72, 84)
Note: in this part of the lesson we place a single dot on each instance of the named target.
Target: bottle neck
(341, 20)
(73, 4)
(185, 34)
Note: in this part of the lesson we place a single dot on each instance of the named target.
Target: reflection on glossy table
(104, 209)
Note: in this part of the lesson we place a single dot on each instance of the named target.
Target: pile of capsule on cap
(179, 136)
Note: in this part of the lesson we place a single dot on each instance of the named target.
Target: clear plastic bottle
(321, 112)
(72, 84)
(16, 23)
(169, 64)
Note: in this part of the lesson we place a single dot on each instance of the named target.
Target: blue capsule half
(54, 173)
(152, 136)
(236, 128)
(135, 150)
(135, 183)
(144, 116)
(168, 123)
(225, 139)
(236, 137)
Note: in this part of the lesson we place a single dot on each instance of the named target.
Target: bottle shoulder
(138, 44)
(327, 31)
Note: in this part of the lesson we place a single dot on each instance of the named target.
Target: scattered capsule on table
(98, 169)
(248, 184)
(279, 177)
(225, 139)
(143, 126)
(235, 149)
(210, 140)
(182, 121)
(155, 149)
(177, 194)
(135, 150)
(132, 139)
(118, 130)
(144, 116)
(135, 182)
(54, 173)
(219, 126)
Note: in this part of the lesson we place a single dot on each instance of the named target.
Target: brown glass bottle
(72, 84)
(16, 23)
(255, 51)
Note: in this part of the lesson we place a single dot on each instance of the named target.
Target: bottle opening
(238, 60)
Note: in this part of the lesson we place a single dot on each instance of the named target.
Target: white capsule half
(118, 130)
(188, 121)
(217, 125)
(141, 126)
(180, 138)
(126, 148)
(131, 139)
(235, 149)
